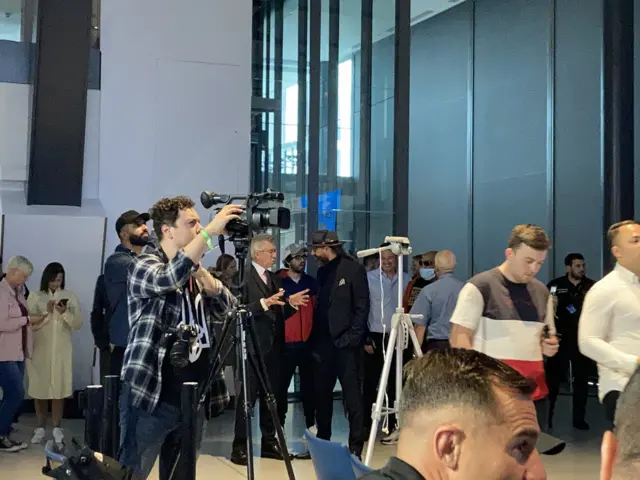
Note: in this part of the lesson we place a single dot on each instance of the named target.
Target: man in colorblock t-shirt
(501, 312)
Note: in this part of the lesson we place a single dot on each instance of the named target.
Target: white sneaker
(392, 438)
(58, 435)
(314, 430)
(38, 435)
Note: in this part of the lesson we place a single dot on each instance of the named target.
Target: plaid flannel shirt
(154, 294)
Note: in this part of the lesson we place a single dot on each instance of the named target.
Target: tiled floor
(580, 460)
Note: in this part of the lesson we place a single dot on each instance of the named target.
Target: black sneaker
(7, 445)
(20, 445)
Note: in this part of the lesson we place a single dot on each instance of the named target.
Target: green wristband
(206, 236)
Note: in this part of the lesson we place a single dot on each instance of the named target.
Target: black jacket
(269, 325)
(100, 315)
(349, 304)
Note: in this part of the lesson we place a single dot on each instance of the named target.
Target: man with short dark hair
(621, 450)
(337, 337)
(132, 231)
(570, 291)
(465, 416)
(297, 329)
(608, 329)
(165, 290)
(502, 312)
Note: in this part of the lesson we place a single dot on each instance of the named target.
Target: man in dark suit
(265, 300)
(337, 337)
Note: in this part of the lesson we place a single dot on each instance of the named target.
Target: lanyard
(193, 315)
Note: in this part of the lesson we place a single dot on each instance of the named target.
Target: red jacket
(297, 327)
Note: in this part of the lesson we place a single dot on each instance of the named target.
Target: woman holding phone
(50, 369)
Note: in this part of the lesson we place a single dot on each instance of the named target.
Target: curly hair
(166, 210)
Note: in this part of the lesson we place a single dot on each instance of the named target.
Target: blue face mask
(427, 273)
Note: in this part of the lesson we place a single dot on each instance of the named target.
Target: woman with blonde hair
(15, 345)
(50, 369)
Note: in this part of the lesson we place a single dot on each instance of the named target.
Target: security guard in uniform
(570, 291)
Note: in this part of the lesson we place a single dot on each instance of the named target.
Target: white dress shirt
(609, 328)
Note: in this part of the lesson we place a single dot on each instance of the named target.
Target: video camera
(263, 211)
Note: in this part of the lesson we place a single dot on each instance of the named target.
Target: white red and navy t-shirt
(507, 319)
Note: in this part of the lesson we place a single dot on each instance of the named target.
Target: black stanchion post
(93, 416)
(110, 416)
(189, 447)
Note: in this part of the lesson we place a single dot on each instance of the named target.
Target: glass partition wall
(323, 115)
(324, 111)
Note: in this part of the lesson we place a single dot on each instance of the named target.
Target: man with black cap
(337, 337)
(134, 236)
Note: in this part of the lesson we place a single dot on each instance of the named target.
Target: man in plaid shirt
(165, 289)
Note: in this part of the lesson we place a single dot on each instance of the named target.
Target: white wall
(172, 118)
(69, 235)
(175, 103)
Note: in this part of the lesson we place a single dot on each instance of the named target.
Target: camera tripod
(400, 322)
(241, 318)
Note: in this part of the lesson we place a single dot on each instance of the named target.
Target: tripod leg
(398, 378)
(247, 407)
(260, 370)
(417, 349)
(382, 388)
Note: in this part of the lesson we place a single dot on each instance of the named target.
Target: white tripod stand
(400, 323)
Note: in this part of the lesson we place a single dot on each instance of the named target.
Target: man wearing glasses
(297, 329)
(426, 275)
(270, 306)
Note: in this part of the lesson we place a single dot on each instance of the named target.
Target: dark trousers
(273, 362)
(105, 363)
(556, 369)
(373, 364)
(344, 364)
(117, 357)
(297, 355)
(542, 411)
(610, 403)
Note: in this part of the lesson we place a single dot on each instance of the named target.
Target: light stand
(400, 321)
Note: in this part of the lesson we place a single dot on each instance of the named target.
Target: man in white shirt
(609, 327)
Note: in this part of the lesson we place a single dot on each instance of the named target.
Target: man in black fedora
(337, 337)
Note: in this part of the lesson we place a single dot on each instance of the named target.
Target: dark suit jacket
(349, 304)
(269, 325)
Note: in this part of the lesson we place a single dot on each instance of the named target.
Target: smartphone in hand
(63, 302)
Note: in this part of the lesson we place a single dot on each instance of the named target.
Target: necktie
(265, 279)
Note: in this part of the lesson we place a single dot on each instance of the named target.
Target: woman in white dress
(50, 368)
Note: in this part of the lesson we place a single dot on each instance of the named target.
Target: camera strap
(193, 314)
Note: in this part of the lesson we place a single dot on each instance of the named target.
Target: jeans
(144, 436)
(11, 382)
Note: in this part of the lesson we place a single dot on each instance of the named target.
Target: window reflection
(10, 20)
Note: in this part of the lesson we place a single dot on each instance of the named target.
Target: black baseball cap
(131, 217)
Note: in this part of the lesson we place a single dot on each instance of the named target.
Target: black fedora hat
(325, 238)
